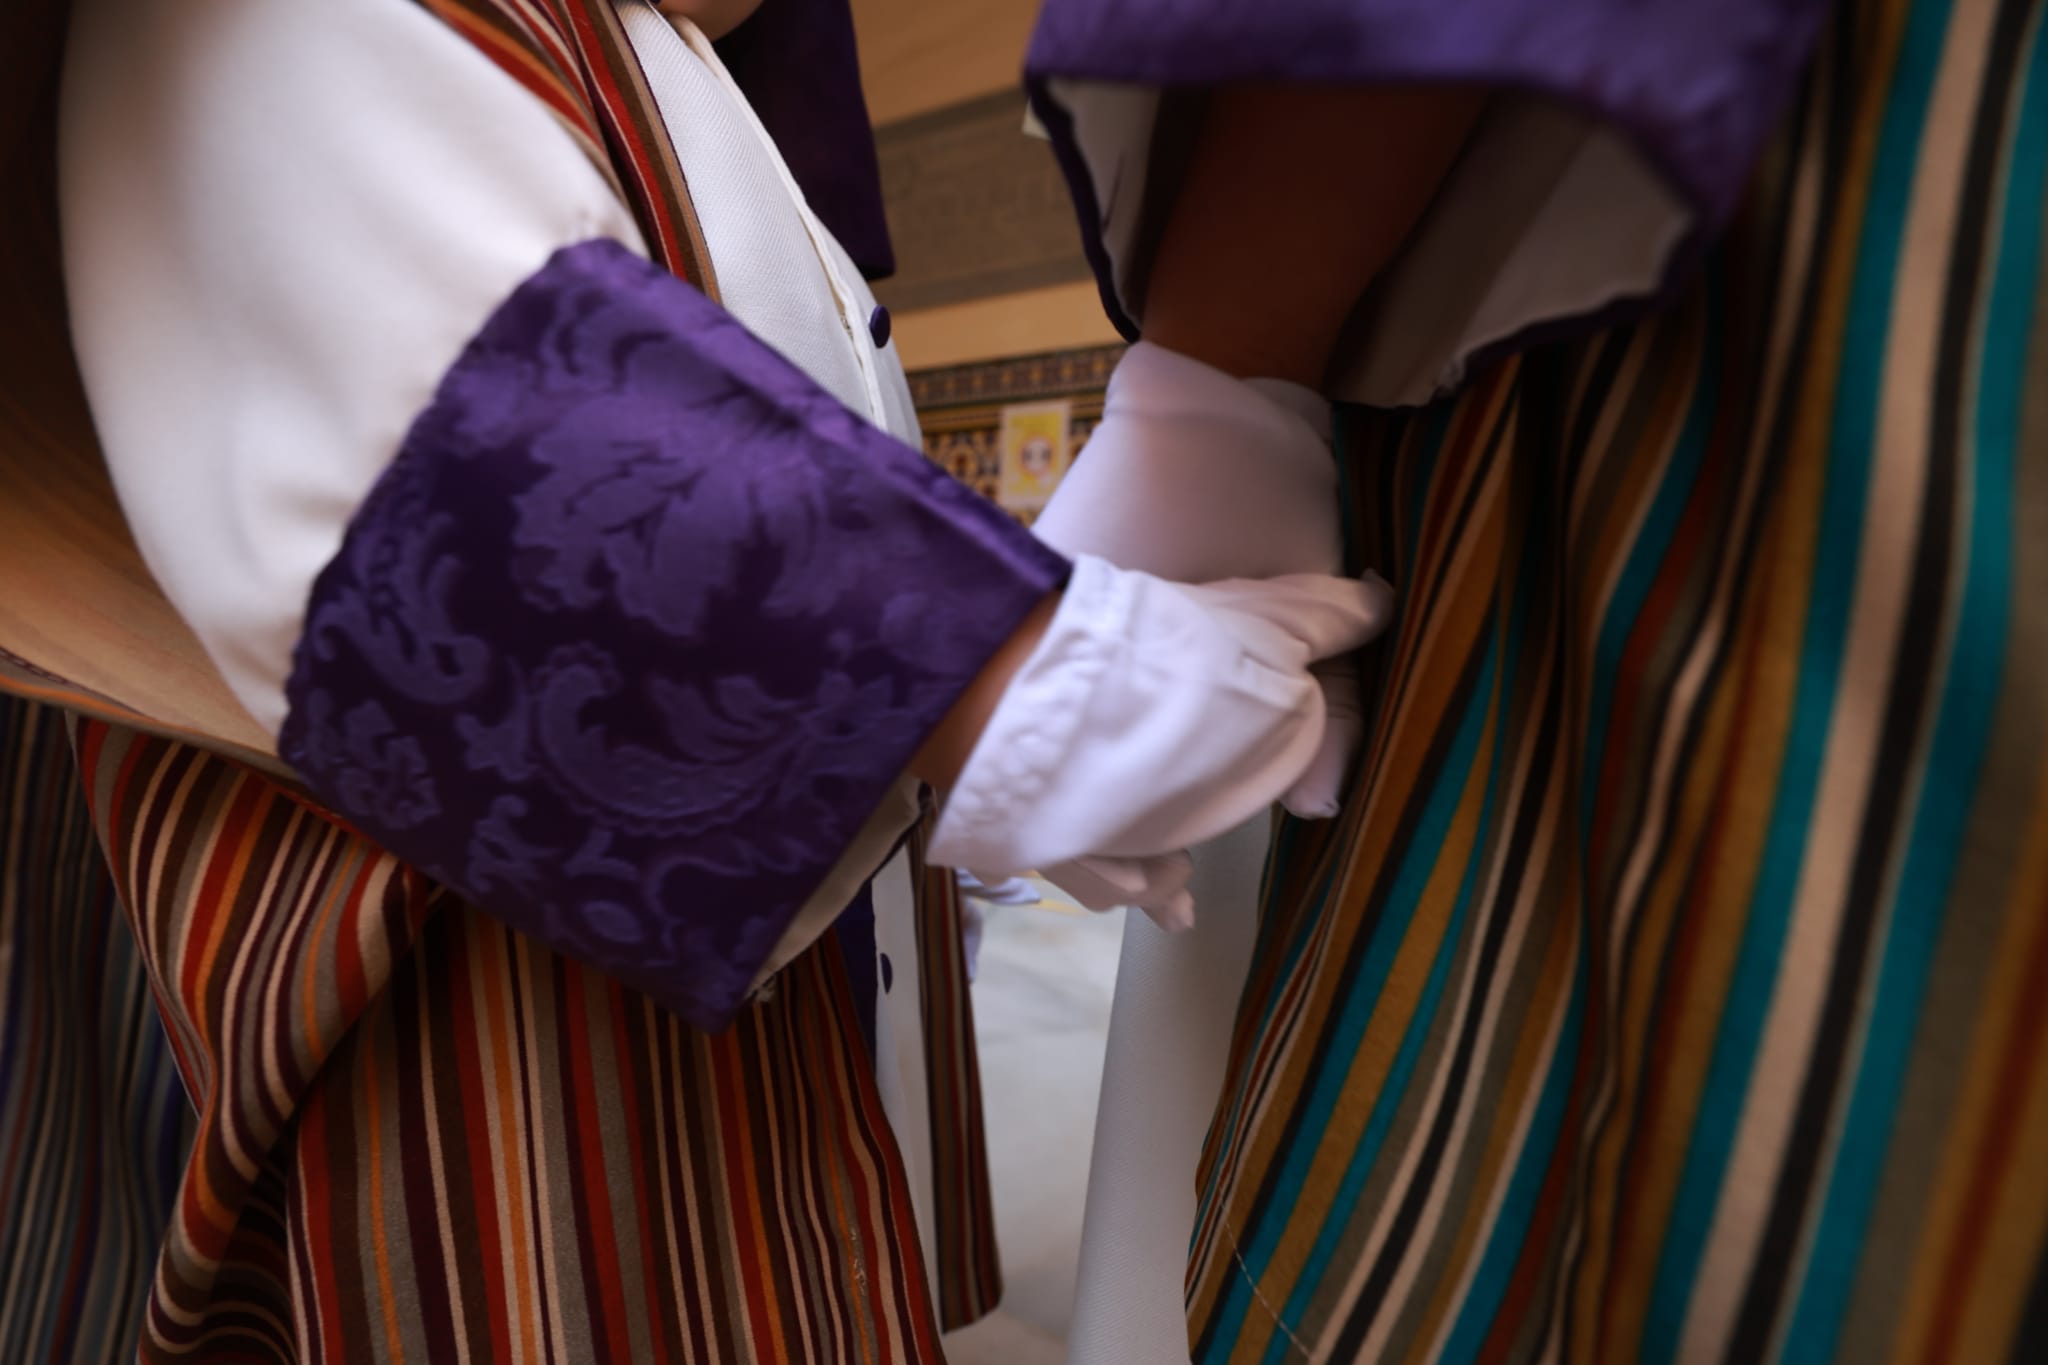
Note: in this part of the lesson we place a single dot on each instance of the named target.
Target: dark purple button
(878, 326)
(888, 967)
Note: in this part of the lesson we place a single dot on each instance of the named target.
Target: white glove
(1196, 476)
(1150, 716)
(1158, 886)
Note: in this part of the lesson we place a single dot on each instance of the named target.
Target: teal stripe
(1362, 1002)
(1504, 1244)
(1424, 454)
(1961, 740)
(1287, 838)
(1648, 554)
(1341, 1043)
(1283, 853)
(1852, 443)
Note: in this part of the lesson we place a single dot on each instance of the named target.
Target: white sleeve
(281, 224)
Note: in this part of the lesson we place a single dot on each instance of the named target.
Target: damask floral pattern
(638, 627)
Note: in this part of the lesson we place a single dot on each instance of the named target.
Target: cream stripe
(496, 1125)
(844, 1310)
(665, 1122)
(277, 916)
(1633, 896)
(724, 1216)
(146, 862)
(1897, 483)
(245, 1134)
(1504, 1173)
(541, 1116)
(306, 1328)
(1914, 779)
(372, 922)
(437, 1169)
(178, 936)
(837, 1309)
(773, 1134)
(273, 1004)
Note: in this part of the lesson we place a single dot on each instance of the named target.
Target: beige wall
(1058, 318)
(921, 55)
(917, 56)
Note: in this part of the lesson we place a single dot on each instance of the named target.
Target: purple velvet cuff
(1696, 88)
(638, 628)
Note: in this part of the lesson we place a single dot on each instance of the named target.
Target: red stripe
(637, 1160)
(317, 1213)
(735, 1139)
(626, 145)
(598, 1232)
(477, 1118)
(218, 895)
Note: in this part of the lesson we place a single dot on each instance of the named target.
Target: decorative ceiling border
(1017, 379)
(976, 206)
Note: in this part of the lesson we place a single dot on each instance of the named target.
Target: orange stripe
(1997, 1149)
(373, 1133)
(750, 1235)
(465, 1008)
(503, 1115)
(210, 914)
(331, 902)
(312, 1159)
(596, 1205)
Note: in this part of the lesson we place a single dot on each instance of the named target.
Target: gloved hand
(1196, 476)
(1150, 716)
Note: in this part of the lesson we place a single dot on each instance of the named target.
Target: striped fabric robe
(1674, 986)
(413, 1133)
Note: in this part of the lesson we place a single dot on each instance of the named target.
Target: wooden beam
(1059, 318)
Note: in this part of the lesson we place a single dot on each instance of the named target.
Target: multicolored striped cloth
(423, 1137)
(420, 1136)
(1675, 984)
(94, 1127)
